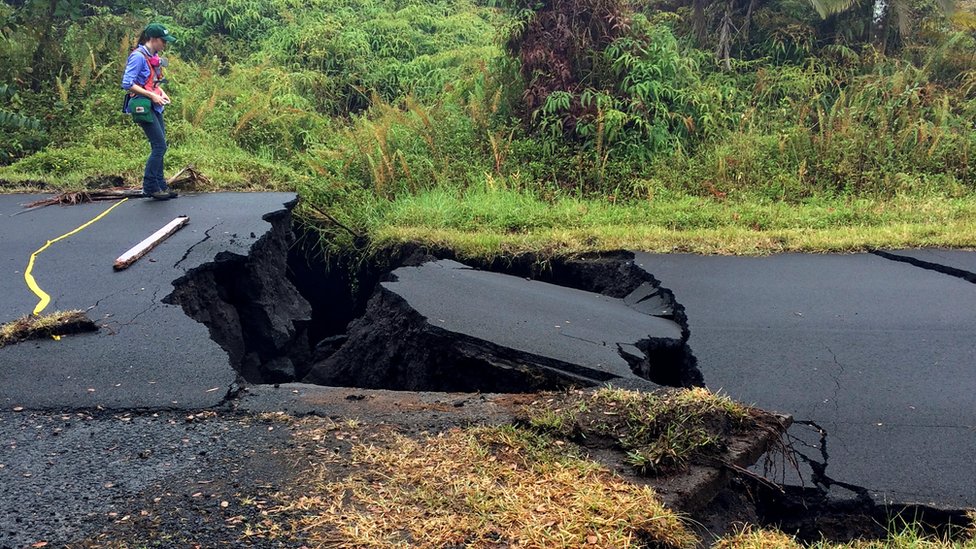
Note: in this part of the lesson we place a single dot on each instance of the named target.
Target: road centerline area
(44, 299)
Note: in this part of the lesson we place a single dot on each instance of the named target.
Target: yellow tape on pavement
(29, 278)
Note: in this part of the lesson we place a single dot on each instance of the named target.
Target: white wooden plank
(142, 248)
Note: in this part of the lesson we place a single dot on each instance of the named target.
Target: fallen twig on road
(189, 178)
(81, 197)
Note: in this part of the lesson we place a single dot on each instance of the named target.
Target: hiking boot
(172, 193)
(161, 195)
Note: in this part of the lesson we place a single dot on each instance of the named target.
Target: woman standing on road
(141, 79)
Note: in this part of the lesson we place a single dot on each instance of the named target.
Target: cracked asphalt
(877, 353)
(147, 354)
(873, 355)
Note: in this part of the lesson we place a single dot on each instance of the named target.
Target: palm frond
(827, 8)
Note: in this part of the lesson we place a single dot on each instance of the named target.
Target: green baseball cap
(155, 30)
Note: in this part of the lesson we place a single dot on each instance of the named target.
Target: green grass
(485, 222)
(123, 150)
(905, 536)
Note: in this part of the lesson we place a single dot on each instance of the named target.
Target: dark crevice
(250, 307)
(812, 515)
(968, 276)
(284, 310)
(186, 254)
(832, 510)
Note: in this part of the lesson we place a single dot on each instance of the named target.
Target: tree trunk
(42, 57)
(880, 20)
(723, 51)
(699, 23)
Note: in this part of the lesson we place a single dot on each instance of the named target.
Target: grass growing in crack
(661, 432)
(478, 487)
(55, 325)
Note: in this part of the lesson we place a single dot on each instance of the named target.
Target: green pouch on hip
(141, 109)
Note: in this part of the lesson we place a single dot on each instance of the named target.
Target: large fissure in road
(415, 319)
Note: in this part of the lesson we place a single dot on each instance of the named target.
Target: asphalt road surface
(880, 354)
(147, 355)
(876, 352)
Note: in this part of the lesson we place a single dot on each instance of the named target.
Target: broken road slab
(445, 326)
(878, 353)
(147, 354)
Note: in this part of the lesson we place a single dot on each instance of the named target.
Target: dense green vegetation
(737, 125)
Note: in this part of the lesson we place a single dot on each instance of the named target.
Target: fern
(13, 120)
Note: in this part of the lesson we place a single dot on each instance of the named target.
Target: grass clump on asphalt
(660, 432)
(478, 487)
(54, 325)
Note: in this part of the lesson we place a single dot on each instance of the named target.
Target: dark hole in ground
(285, 310)
(285, 307)
(811, 515)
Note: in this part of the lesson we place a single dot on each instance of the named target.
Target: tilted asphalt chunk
(445, 326)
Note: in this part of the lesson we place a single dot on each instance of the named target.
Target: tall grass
(373, 107)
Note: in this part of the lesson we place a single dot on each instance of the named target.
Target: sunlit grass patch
(660, 432)
(481, 224)
(479, 487)
(54, 325)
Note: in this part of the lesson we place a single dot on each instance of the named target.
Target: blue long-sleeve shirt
(137, 72)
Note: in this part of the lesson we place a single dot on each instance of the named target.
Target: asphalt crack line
(152, 306)
(819, 468)
(189, 250)
(111, 295)
(835, 378)
(928, 265)
(601, 343)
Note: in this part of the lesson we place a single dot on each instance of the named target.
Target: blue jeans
(153, 180)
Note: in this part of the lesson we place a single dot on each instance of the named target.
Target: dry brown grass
(757, 538)
(475, 487)
(54, 325)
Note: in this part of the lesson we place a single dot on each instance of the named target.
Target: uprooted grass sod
(54, 325)
(660, 433)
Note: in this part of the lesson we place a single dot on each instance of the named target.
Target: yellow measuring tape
(29, 278)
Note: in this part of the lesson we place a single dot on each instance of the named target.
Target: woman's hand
(158, 99)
